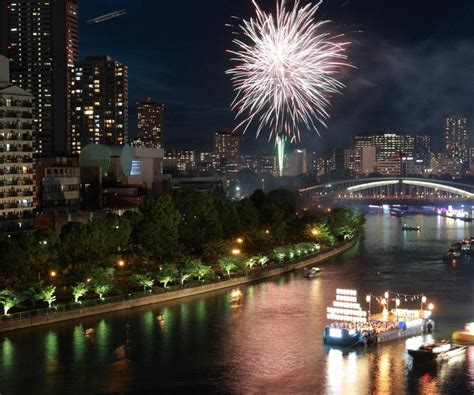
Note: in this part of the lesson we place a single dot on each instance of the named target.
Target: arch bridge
(421, 190)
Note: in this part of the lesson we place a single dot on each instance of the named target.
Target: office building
(422, 151)
(442, 164)
(41, 39)
(16, 154)
(99, 103)
(390, 167)
(387, 144)
(296, 163)
(59, 184)
(226, 152)
(260, 164)
(456, 140)
(180, 160)
(150, 123)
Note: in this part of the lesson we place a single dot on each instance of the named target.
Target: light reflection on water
(266, 339)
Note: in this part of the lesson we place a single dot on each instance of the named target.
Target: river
(270, 340)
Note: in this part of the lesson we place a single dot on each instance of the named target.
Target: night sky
(415, 64)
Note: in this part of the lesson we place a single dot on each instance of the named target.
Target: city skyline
(397, 94)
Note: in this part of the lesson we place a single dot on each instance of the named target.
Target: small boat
(397, 213)
(313, 272)
(436, 351)
(405, 227)
(465, 336)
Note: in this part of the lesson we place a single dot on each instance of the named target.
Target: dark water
(270, 341)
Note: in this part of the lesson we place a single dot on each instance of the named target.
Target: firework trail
(286, 70)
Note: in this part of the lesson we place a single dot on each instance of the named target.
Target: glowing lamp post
(431, 307)
(315, 232)
(240, 240)
(368, 299)
(397, 303)
(423, 301)
(121, 263)
(52, 274)
(235, 251)
(386, 298)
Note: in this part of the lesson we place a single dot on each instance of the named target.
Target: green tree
(9, 299)
(78, 291)
(167, 275)
(248, 215)
(47, 294)
(144, 280)
(158, 230)
(198, 269)
(251, 262)
(228, 217)
(228, 264)
(103, 280)
(200, 220)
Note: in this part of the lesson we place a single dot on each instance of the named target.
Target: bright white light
(286, 70)
(335, 332)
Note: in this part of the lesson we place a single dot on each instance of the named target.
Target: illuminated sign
(136, 168)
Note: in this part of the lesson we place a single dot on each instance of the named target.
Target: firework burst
(286, 70)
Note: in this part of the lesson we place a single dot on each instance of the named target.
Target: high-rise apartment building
(227, 151)
(150, 123)
(40, 38)
(16, 153)
(99, 103)
(388, 144)
(456, 140)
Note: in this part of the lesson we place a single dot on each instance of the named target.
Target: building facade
(99, 103)
(180, 160)
(16, 154)
(388, 144)
(260, 164)
(150, 123)
(41, 40)
(226, 152)
(456, 140)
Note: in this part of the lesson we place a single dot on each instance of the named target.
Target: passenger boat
(313, 272)
(352, 326)
(405, 227)
(455, 214)
(436, 351)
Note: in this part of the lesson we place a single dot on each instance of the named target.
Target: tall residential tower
(150, 119)
(456, 140)
(40, 38)
(99, 103)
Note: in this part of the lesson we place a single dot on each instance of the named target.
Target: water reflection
(78, 344)
(8, 354)
(51, 352)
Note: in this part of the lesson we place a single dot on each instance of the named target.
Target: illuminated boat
(455, 214)
(465, 336)
(436, 351)
(350, 325)
(313, 272)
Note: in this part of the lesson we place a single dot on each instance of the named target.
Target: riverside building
(16, 154)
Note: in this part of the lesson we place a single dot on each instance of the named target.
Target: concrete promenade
(166, 296)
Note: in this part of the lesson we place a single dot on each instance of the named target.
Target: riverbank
(53, 316)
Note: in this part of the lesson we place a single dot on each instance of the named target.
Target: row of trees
(171, 239)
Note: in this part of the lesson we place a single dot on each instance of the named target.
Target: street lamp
(240, 240)
(386, 298)
(368, 299)
(121, 263)
(53, 274)
(315, 232)
(235, 251)
(423, 301)
(430, 306)
(397, 303)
